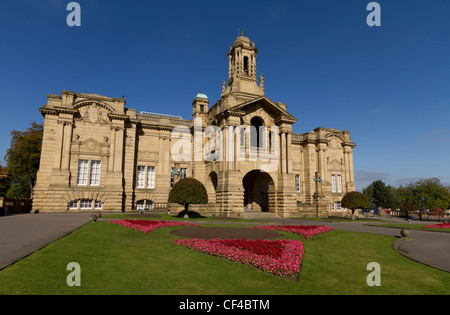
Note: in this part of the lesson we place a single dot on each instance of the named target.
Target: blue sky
(388, 85)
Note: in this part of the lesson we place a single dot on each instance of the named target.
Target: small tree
(23, 158)
(355, 200)
(188, 191)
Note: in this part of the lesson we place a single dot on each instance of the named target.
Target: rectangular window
(82, 172)
(86, 204)
(333, 183)
(95, 173)
(172, 176)
(98, 205)
(183, 173)
(297, 182)
(140, 205)
(150, 177)
(338, 206)
(339, 183)
(140, 176)
(73, 205)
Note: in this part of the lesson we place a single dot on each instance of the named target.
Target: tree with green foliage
(355, 200)
(434, 193)
(382, 195)
(188, 191)
(5, 180)
(23, 158)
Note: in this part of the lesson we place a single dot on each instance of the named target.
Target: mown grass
(117, 260)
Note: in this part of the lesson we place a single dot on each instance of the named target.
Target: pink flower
(308, 231)
(439, 226)
(280, 257)
(147, 226)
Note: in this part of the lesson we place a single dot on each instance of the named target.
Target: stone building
(98, 154)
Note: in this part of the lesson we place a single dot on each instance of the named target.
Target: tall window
(246, 65)
(339, 183)
(83, 167)
(141, 176)
(183, 174)
(297, 182)
(84, 174)
(333, 183)
(150, 177)
(95, 173)
(336, 183)
(145, 175)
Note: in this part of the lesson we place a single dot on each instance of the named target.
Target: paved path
(431, 248)
(21, 235)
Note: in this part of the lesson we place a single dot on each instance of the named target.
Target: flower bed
(147, 226)
(308, 231)
(439, 226)
(279, 257)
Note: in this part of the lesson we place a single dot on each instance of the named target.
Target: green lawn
(117, 260)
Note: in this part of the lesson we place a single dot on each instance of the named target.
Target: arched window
(255, 132)
(246, 65)
(144, 204)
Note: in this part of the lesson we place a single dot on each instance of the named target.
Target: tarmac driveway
(23, 234)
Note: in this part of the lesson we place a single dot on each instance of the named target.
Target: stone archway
(259, 191)
(211, 186)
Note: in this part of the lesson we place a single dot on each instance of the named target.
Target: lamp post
(423, 204)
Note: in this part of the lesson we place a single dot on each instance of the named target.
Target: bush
(355, 200)
(188, 191)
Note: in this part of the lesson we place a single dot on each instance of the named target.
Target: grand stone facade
(99, 154)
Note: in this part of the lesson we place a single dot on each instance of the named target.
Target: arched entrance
(259, 191)
(211, 187)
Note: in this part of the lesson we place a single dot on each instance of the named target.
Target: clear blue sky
(389, 85)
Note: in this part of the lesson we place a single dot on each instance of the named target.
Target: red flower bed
(439, 226)
(280, 257)
(308, 231)
(147, 226)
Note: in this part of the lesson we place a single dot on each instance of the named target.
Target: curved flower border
(285, 263)
(147, 226)
(438, 226)
(308, 231)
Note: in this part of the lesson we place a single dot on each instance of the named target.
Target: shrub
(188, 191)
(355, 200)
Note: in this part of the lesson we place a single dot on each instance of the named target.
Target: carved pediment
(265, 106)
(90, 146)
(93, 113)
(148, 156)
(335, 165)
(335, 143)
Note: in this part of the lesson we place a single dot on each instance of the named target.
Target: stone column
(112, 150)
(283, 152)
(59, 145)
(118, 156)
(288, 153)
(66, 145)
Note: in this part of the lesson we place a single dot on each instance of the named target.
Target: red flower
(280, 257)
(308, 231)
(147, 226)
